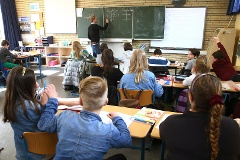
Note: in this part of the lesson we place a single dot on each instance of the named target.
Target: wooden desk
(171, 66)
(155, 131)
(229, 89)
(156, 134)
(237, 68)
(137, 129)
(179, 85)
(175, 66)
(26, 55)
(115, 63)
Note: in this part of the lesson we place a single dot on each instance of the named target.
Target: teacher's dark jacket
(223, 67)
(93, 32)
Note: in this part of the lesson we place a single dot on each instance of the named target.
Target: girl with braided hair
(202, 133)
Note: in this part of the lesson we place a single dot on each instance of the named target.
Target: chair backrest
(112, 96)
(186, 72)
(145, 99)
(157, 70)
(40, 142)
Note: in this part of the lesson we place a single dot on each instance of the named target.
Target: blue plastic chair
(4, 71)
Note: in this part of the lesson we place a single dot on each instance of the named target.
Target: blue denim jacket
(25, 124)
(83, 136)
(128, 81)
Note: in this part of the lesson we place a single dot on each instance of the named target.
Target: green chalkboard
(148, 22)
(126, 22)
(120, 22)
(84, 21)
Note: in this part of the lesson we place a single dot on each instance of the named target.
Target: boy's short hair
(127, 46)
(92, 17)
(157, 52)
(218, 54)
(195, 52)
(93, 92)
(4, 42)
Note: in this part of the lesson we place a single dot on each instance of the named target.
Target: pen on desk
(140, 120)
(44, 85)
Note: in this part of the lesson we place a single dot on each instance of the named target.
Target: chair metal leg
(162, 150)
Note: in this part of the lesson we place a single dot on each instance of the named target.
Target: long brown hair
(21, 85)
(77, 48)
(203, 87)
(108, 61)
(138, 64)
(202, 65)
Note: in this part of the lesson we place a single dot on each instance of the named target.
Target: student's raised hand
(44, 98)
(107, 20)
(161, 81)
(111, 115)
(51, 91)
(216, 39)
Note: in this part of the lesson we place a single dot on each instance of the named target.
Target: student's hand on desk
(111, 115)
(161, 81)
(51, 91)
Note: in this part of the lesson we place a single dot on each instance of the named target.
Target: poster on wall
(34, 6)
(25, 25)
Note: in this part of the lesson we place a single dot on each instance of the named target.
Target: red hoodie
(223, 67)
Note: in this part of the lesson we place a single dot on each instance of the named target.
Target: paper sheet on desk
(163, 118)
(230, 85)
(125, 117)
(74, 108)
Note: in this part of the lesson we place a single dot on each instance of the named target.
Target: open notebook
(147, 115)
(103, 114)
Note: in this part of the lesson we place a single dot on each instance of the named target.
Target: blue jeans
(95, 49)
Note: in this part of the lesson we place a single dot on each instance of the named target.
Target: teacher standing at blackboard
(93, 34)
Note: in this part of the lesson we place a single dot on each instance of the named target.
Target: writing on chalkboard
(126, 22)
(120, 25)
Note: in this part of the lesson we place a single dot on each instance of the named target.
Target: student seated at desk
(158, 59)
(192, 56)
(201, 66)
(110, 73)
(21, 108)
(75, 65)
(102, 47)
(4, 53)
(84, 136)
(202, 133)
(222, 65)
(139, 77)
(126, 56)
(107, 69)
(158, 64)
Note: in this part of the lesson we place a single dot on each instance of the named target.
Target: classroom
(47, 48)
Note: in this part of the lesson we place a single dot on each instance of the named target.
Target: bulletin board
(184, 28)
(60, 16)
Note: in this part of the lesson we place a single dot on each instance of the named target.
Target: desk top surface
(155, 131)
(26, 53)
(137, 129)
